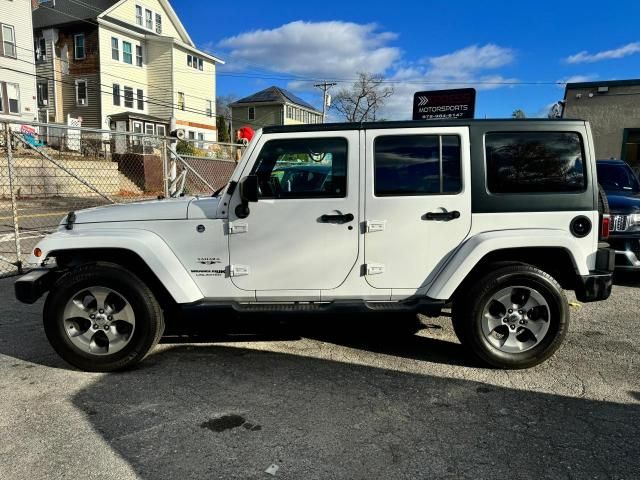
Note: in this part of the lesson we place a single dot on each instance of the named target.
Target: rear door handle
(442, 216)
(346, 218)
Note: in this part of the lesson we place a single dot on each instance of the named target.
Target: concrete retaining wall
(36, 177)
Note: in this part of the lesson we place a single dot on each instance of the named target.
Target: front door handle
(442, 216)
(346, 218)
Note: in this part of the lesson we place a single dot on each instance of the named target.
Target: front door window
(306, 168)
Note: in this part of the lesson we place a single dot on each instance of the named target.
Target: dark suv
(622, 187)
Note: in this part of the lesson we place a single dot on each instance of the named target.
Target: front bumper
(627, 252)
(30, 287)
(598, 284)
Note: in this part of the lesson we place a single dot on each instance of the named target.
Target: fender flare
(475, 248)
(153, 251)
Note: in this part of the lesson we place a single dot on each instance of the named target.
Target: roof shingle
(274, 95)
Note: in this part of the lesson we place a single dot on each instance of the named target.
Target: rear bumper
(30, 287)
(598, 284)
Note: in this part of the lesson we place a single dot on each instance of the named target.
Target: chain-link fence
(48, 170)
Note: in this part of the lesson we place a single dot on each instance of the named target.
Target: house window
(200, 64)
(209, 108)
(149, 129)
(161, 130)
(41, 49)
(139, 15)
(139, 55)
(201, 140)
(137, 128)
(148, 15)
(127, 57)
(289, 112)
(181, 102)
(140, 95)
(78, 46)
(251, 113)
(128, 97)
(192, 135)
(189, 61)
(115, 49)
(43, 94)
(158, 23)
(13, 97)
(8, 37)
(116, 94)
(81, 93)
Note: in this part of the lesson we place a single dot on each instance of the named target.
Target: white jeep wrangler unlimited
(494, 218)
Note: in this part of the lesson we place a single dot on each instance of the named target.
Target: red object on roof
(246, 132)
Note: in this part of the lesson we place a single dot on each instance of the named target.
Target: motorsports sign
(444, 104)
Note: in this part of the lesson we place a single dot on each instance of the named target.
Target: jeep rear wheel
(99, 317)
(514, 317)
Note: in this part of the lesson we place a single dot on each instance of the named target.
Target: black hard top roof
(494, 123)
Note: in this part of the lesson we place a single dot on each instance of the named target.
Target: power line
(91, 86)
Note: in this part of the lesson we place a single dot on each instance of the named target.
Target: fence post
(165, 169)
(14, 208)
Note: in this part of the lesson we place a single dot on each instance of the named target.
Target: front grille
(619, 223)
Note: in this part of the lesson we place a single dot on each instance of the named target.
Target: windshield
(618, 177)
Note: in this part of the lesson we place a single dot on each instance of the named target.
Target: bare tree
(223, 117)
(518, 114)
(361, 102)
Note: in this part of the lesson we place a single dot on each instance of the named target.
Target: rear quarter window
(535, 162)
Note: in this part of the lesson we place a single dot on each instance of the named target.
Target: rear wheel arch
(555, 261)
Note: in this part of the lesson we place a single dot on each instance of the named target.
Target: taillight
(605, 228)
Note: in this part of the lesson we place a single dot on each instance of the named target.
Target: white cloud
(314, 49)
(338, 50)
(586, 57)
(467, 67)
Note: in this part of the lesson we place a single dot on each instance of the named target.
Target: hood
(166, 209)
(622, 202)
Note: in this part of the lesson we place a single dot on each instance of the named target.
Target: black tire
(468, 307)
(149, 321)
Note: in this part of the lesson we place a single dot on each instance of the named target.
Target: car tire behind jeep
(100, 317)
(513, 317)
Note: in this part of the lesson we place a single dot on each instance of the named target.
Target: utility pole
(324, 86)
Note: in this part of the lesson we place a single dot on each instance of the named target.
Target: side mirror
(249, 189)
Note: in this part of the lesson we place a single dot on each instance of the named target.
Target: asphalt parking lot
(321, 401)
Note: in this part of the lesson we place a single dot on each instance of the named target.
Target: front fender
(147, 245)
(478, 246)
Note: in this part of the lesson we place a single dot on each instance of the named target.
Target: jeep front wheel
(514, 317)
(100, 317)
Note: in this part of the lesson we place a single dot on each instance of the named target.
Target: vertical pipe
(441, 169)
(14, 208)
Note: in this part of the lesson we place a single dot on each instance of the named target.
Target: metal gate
(48, 170)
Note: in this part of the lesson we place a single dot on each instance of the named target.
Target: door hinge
(238, 270)
(375, 225)
(375, 268)
(238, 228)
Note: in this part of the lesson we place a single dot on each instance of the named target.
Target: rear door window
(535, 162)
(417, 165)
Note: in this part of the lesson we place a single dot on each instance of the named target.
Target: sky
(516, 54)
